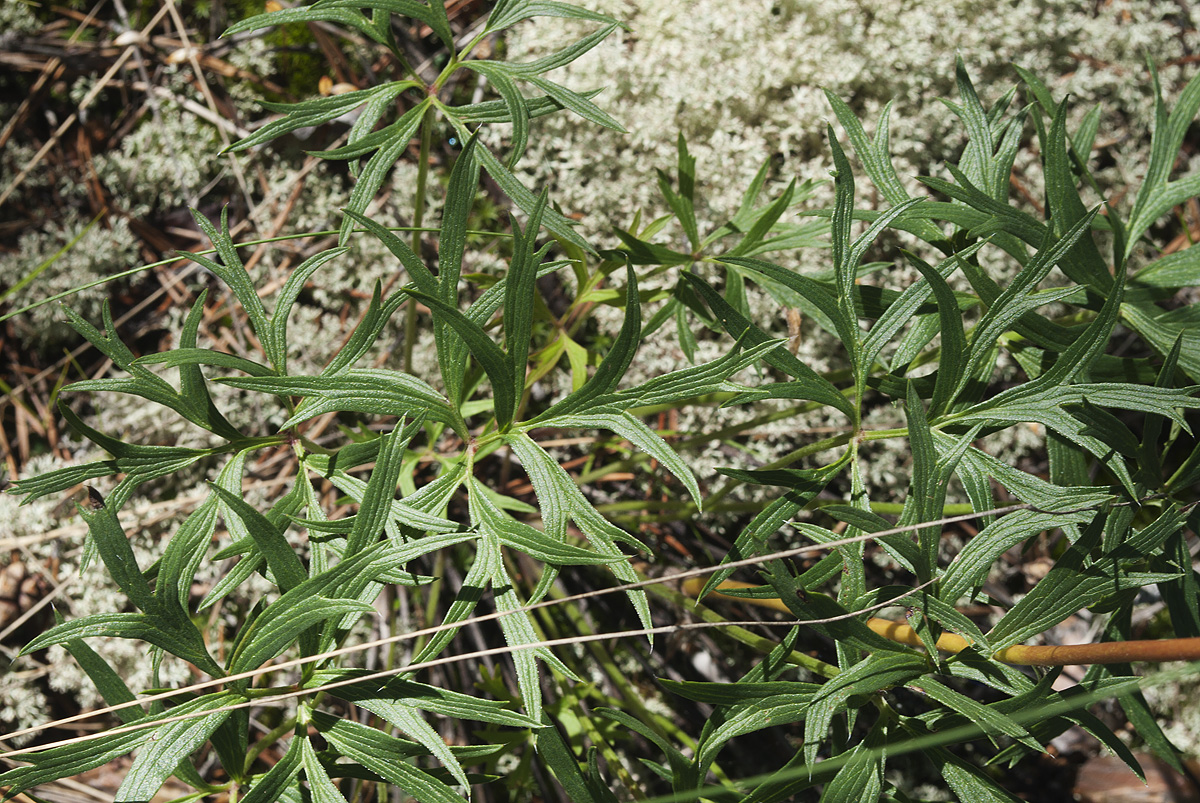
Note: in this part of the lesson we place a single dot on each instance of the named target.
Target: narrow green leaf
(69, 760)
(682, 775)
(410, 722)
(243, 520)
(402, 512)
(273, 784)
(276, 344)
(889, 217)
(1106, 428)
(141, 381)
(320, 786)
(563, 57)
(509, 12)
(753, 539)
(986, 216)
(192, 385)
(1048, 409)
(380, 104)
(367, 332)
(313, 112)
(905, 307)
(875, 158)
(861, 779)
(493, 359)
(231, 270)
(517, 535)
(496, 111)
(816, 296)
(638, 434)
(172, 743)
(614, 364)
(176, 358)
(640, 252)
(872, 674)
(554, 221)
(113, 545)
(927, 488)
(470, 592)
(368, 391)
(991, 721)
(33, 488)
(750, 197)
(1017, 299)
(519, 630)
(1157, 194)
(682, 203)
(1028, 487)
(1084, 350)
(811, 385)
(282, 623)
(460, 196)
(284, 16)
(440, 23)
(1065, 206)
(519, 299)
(966, 781)
(421, 696)
(780, 709)
(376, 505)
(501, 74)
(730, 694)
(1172, 271)
(576, 102)
(976, 158)
(1161, 331)
(373, 174)
(556, 753)
(379, 753)
(969, 569)
(417, 270)
(765, 222)
(697, 380)
(112, 688)
(557, 492)
(843, 208)
(951, 363)
(1075, 581)
(187, 547)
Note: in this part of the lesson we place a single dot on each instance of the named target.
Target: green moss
(300, 64)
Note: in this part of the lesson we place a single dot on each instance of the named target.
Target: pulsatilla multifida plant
(1122, 470)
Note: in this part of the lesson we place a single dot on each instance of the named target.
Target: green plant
(1119, 490)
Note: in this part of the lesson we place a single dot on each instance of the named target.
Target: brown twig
(70, 121)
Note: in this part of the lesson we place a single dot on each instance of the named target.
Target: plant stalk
(1109, 652)
(410, 306)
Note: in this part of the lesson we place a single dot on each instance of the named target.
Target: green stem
(570, 696)
(206, 251)
(269, 739)
(679, 510)
(786, 460)
(405, 66)
(733, 430)
(760, 643)
(604, 657)
(432, 600)
(634, 510)
(883, 434)
(410, 306)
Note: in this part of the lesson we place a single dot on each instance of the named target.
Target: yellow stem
(1114, 652)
